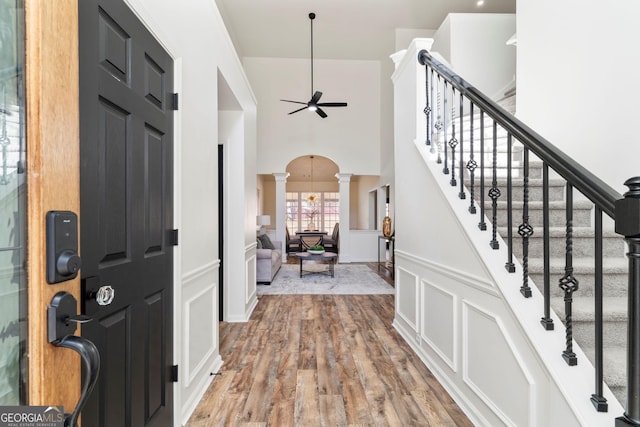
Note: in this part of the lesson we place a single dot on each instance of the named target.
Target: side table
(390, 242)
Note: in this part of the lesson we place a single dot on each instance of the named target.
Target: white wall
(577, 85)
(349, 136)
(195, 36)
(458, 307)
(474, 45)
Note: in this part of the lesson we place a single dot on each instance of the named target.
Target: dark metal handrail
(584, 181)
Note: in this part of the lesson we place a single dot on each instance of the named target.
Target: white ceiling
(343, 29)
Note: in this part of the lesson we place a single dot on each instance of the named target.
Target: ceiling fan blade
(299, 109)
(315, 98)
(321, 113)
(332, 104)
(295, 102)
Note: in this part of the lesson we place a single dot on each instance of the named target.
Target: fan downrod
(313, 104)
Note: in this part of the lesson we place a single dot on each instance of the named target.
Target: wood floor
(322, 360)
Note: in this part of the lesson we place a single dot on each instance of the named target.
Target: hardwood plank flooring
(322, 360)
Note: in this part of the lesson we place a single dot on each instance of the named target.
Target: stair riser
(582, 246)
(616, 333)
(502, 172)
(556, 193)
(581, 217)
(614, 285)
(501, 161)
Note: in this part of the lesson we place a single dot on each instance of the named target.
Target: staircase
(615, 264)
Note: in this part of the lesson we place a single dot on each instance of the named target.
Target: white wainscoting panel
(199, 315)
(250, 274)
(407, 298)
(439, 322)
(200, 339)
(489, 353)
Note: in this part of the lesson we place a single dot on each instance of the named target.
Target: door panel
(127, 213)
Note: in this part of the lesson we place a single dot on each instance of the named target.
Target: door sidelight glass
(13, 213)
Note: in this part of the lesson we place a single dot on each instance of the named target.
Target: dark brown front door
(126, 204)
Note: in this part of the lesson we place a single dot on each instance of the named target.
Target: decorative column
(627, 212)
(344, 179)
(281, 205)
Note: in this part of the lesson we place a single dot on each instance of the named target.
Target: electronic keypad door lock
(63, 262)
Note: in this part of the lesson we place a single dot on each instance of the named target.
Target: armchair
(292, 244)
(332, 244)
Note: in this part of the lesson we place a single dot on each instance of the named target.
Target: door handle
(62, 321)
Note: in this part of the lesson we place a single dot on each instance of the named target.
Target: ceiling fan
(313, 104)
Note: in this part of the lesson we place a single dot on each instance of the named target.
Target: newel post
(627, 211)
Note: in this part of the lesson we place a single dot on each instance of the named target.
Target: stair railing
(441, 82)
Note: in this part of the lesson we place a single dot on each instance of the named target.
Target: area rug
(349, 279)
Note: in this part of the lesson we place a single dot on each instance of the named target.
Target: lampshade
(263, 220)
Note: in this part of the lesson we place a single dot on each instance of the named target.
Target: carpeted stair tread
(609, 265)
(561, 231)
(614, 309)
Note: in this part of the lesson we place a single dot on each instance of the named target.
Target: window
(13, 210)
(312, 211)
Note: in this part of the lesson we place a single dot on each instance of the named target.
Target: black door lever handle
(62, 323)
(80, 318)
(91, 361)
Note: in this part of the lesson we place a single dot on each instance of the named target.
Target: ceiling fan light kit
(313, 104)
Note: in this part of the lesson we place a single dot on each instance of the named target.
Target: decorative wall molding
(451, 357)
(503, 359)
(403, 279)
(199, 272)
(450, 272)
(191, 372)
(250, 283)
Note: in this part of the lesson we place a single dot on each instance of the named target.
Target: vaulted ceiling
(343, 29)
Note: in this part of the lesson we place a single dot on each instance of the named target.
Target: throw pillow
(266, 242)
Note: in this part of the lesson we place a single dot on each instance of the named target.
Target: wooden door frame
(53, 183)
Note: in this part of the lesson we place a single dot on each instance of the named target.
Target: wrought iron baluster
(471, 164)
(568, 283)
(494, 193)
(461, 194)
(546, 321)
(482, 225)
(525, 230)
(509, 265)
(445, 170)
(598, 400)
(438, 126)
(453, 142)
(427, 108)
(433, 149)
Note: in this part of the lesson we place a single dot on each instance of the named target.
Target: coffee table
(327, 257)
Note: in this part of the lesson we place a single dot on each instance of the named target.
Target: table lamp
(263, 220)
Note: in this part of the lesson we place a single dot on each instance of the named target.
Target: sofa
(269, 261)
